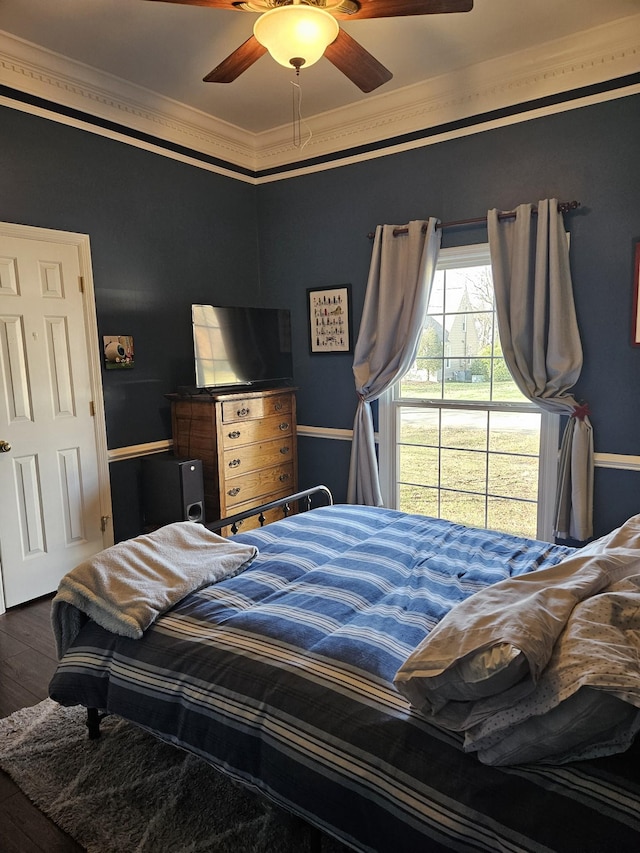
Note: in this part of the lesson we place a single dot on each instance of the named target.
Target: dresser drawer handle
(278, 407)
(283, 478)
(243, 412)
(284, 426)
(235, 434)
(233, 492)
(234, 463)
(284, 450)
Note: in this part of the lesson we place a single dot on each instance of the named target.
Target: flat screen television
(241, 346)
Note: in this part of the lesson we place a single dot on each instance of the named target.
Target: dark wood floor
(27, 662)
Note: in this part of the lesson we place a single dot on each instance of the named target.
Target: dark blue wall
(166, 234)
(314, 228)
(163, 236)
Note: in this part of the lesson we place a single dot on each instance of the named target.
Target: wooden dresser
(247, 443)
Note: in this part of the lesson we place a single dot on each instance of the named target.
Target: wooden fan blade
(242, 58)
(356, 63)
(402, 8)
(215, 4)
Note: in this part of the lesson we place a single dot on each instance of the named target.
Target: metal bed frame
(304, 500)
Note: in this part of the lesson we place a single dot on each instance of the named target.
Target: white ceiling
(167, 48)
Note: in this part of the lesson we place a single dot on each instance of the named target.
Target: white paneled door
(54, 495)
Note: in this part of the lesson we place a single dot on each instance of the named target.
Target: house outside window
(457, 438)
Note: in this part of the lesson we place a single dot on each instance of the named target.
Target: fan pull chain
(297, 120)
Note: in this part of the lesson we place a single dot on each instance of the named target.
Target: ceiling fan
(299, 32)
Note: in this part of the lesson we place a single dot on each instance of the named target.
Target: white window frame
(389, 407)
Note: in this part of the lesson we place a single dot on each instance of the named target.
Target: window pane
(465, 429)
(463, 508)
(461, 339)
(460, 387)
(504, 388)
(419, 464)
(436, 297)
(472, 285)
(513, 476)
(419, 426)
(515, 432)
(431, 343)
(420, 500)
(427, 369)
(424, 380)
(484, 330)
(512, 517)
(463, 469)
(481, 378)
(479, 285)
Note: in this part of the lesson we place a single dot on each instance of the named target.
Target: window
(458, 440)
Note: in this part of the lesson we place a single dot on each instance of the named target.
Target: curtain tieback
(581, 412)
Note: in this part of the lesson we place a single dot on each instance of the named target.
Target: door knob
(5, 447)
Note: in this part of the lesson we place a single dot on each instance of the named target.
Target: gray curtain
(400, 278)
(541, 343)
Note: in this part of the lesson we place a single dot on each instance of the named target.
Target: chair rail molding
(136, 451)
(619, 461)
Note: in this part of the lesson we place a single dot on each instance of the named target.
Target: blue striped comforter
(282, 678)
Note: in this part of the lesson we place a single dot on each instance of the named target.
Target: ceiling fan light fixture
(296, 35)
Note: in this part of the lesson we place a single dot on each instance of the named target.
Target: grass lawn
(504, 392)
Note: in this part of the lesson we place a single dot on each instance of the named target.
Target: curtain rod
(563, 207)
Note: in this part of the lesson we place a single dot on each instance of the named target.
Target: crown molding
(52, 77)
(584, 59)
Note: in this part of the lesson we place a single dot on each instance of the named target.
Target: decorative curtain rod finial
(566, 206)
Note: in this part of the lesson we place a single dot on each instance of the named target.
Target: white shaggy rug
(127, 792)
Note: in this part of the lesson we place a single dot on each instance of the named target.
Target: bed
(286, 676)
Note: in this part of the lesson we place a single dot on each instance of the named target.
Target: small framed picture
(118, 351)
(330, 319)
(636, 297)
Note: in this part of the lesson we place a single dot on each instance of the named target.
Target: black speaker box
(172, 490)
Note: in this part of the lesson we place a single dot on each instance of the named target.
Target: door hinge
(81, 283)
(92, 408)
(104, 521)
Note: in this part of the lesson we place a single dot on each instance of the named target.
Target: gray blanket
(126, 587)
(540, 667)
